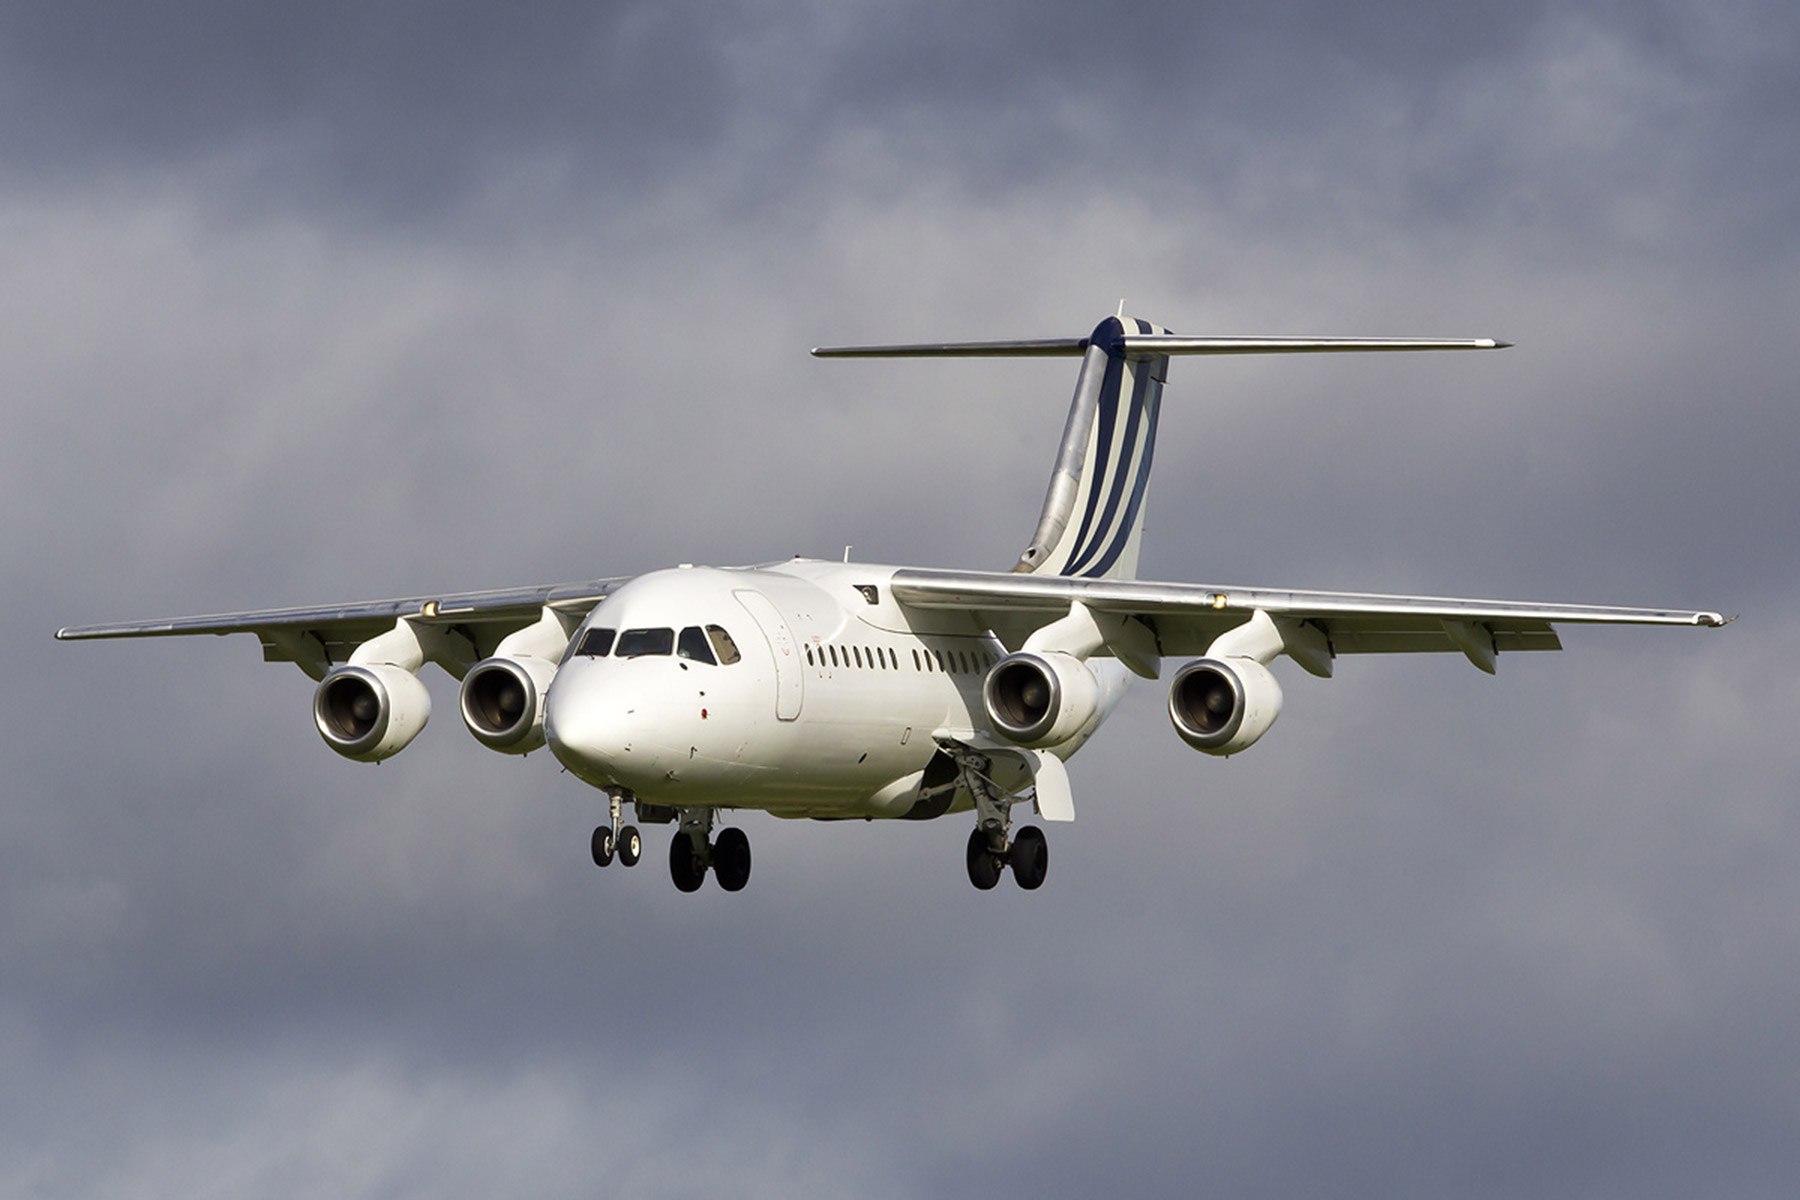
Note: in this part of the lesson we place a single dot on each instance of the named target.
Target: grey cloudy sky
(370, 300)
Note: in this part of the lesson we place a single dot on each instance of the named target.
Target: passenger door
(790, 679)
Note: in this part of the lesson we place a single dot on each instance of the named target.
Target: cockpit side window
(723, 645)
(636, 642)
(693, 645)
(596, 643)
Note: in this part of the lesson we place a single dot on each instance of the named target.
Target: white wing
(328, 634)
(1185, 619)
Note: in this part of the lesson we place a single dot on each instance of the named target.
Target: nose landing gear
(623, 841)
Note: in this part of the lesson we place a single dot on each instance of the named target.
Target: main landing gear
(990, 852)
(690, 854)
(1028, 856)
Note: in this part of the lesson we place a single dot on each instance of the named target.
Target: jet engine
(503, 702)
(1222, 705)
(370, 712)
(1040, 699)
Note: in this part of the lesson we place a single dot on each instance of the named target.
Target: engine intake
(370, 712)
(503, 702)
(1040, 699)
(1221, 706)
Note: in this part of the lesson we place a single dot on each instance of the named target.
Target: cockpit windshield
(710, 645)
(634, 643)
(693, 645)
(721, 643)
(596, 643)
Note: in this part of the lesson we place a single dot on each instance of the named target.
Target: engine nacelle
(370, 712)
(1222, 705)
(503, 702)
(1040, 699)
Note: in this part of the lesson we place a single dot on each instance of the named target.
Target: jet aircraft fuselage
(802, 689)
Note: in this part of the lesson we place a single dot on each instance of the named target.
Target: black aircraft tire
(686, 868)
(731, 859)
(1030, 858)
(603, 845)
(984, 864)
(631, 846)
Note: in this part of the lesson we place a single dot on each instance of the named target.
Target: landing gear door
(790, 678)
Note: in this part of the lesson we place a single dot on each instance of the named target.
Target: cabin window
(856, 652)
(916, 660)
(634, 643)
(692, 645)
(834, 661)
(809, 657)
(596, 643)
(725, 648)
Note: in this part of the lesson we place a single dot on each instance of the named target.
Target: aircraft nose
(593, 729)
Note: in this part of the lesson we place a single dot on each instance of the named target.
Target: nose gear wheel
(621, 841)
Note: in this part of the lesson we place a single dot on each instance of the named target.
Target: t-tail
(1092, 522)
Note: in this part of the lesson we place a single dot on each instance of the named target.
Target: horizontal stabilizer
(1037, 348)
(1151, 345)
(1175, 343)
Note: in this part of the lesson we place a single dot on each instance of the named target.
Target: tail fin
(1093, 518)
(1092, 523)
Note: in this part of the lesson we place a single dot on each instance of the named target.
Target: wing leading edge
(328, 634)
(1187, 618)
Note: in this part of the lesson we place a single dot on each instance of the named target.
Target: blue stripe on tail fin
(1093, 517)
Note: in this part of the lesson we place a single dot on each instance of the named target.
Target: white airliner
(845, 690)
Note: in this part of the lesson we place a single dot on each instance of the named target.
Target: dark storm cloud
(405, 110)
(338, 301)
(399, 109)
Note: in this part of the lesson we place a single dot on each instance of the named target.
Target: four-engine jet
(845, 690)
